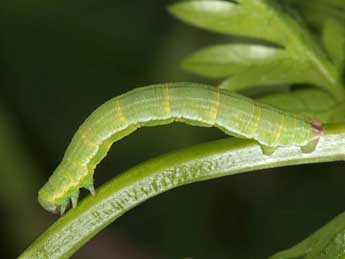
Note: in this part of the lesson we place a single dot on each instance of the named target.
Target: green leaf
(249, 65)
(300, 60)
(328, 242)
(253, 18)
(202, 162)
(318, 11)
(309, 102)
(333, 38)
(334, 3)
(224, 60)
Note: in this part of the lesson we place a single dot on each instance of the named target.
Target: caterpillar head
(62, 188)
(58, 203)
(47, 205)
(57, 207)
(52, 202)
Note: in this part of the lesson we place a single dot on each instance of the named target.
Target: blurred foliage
(18, 190)
(327, 242)
(318, 12)
(62, 59)
(309, 102)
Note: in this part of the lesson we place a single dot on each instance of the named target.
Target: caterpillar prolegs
(194, 104)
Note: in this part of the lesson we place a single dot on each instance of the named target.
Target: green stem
(328, 240)
(202, 162)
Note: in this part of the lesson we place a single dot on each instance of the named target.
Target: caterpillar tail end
(310, 147)
(317, 128)
(266, 150)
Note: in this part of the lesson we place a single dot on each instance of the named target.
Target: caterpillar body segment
(193, 104)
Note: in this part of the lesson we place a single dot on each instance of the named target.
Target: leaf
(222, 60)
(328, 242)
(250, 65)
(333, 38)
(328, 18)
(309, 102)
(302, 59)
(318, 11)
(251, 18)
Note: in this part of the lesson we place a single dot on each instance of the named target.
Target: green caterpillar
(193, 104)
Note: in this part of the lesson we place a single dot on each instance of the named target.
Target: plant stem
(198, 163)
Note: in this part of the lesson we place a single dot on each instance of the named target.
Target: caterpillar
(194, 104)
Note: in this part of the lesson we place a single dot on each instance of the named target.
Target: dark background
(59, 60)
